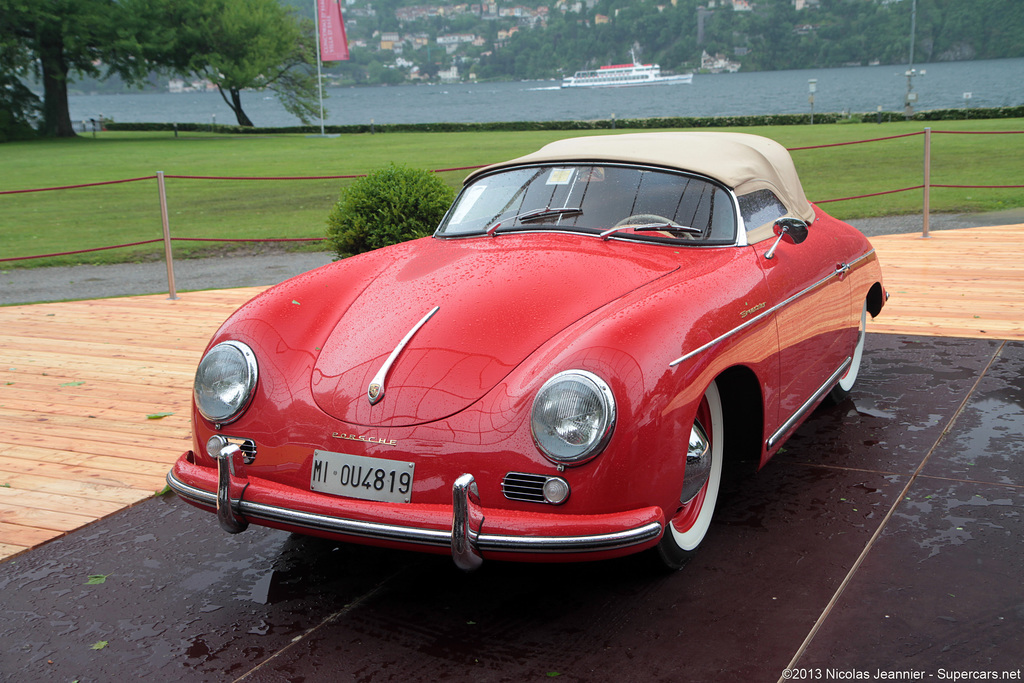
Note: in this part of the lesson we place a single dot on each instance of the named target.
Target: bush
(388, 206)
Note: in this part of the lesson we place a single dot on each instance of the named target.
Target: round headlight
(225, 382)
(573, 417)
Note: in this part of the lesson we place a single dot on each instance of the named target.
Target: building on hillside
(737, 5)
(717, 64)
(417, 40)
(389, 40)
(455, 38)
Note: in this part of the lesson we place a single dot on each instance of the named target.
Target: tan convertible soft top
(741, 161)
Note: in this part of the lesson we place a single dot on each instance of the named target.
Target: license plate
(356, 476)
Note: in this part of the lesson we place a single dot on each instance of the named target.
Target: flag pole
(319, 77)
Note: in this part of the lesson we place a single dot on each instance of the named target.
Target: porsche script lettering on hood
(365, 439)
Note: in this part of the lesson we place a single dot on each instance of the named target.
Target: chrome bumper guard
(467, 541)
(228, 460)
(467, 521)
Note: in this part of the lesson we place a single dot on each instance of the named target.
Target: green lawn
(67, 220)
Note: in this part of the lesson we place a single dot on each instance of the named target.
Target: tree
(19, 106)
(237, 45)
(59, 39)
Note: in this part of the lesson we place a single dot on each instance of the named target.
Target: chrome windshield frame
(739, 240)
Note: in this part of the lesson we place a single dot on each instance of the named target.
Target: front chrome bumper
(468, 541)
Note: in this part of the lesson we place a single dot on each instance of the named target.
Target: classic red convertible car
(561, 372)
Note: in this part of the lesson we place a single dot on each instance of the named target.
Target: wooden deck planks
(81, 387)
(955, 283)
(80, 380)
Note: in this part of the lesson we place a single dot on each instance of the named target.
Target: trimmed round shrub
(390, 205)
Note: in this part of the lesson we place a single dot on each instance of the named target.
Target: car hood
(498, 299)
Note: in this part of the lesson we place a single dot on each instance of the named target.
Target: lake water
(992, 83)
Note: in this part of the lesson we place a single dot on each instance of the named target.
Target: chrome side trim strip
(718, 340)
(808, 404)
(863, 256)
(765, 313)
(431, 537)
(375, 392)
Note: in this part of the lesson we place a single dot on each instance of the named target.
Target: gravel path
(62, 283)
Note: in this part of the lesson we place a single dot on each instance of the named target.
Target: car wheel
(689, 525)
(841, 391)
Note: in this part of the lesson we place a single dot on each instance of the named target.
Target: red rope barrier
(74, 187)
(907, 135)
(855, 142)
(80, 251)
(981, 187)
(304, 177)
(239, 239)
(231, 177)
(459, 168)
(222, 177)
(980, 132)
(920, 187)
(873, 194)
(173, 239)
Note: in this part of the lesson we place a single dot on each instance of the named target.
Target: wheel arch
(743, 414)
(876, 299)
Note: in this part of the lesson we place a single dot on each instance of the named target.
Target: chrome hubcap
(698, 464)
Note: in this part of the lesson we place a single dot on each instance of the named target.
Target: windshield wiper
(667, 227)
(537, 214)
(649, 227)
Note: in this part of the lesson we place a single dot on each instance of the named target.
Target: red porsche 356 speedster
(561, 372)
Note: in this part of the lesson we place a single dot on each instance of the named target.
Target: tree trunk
(56, 116)
(236, 105)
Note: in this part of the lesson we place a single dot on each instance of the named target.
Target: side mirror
(793, 230)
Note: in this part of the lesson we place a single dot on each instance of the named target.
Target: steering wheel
(648, 218)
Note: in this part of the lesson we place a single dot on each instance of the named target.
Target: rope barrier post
(168, 254)
(927, 180)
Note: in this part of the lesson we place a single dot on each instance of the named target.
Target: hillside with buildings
(396, 41)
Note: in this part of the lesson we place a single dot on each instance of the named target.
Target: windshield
(619, 201)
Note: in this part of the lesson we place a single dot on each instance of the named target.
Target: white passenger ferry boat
(622, 75)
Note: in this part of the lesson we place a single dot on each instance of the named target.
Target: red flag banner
(333, 43)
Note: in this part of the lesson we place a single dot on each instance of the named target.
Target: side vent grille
(248, 447)
(528, 488)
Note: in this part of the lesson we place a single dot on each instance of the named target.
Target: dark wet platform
(887, 537)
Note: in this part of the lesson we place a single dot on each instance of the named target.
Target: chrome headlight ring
(225, 382)
(573, 417)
